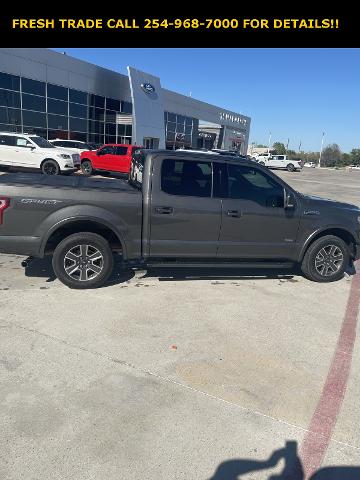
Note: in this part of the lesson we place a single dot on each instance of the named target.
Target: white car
(354, 167)
(31, 151)
(280, 161)
(310, 164)
(74, 145)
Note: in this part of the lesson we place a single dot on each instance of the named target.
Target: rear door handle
(233, 213)
(164, 210)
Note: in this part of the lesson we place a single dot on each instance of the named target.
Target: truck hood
(314, 202)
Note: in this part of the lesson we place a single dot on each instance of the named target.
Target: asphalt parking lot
(249, 375)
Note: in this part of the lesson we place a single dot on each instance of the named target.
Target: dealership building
(57, 96)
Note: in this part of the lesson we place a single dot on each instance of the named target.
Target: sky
(295, 94)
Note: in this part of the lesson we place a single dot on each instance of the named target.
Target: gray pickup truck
(177, 209)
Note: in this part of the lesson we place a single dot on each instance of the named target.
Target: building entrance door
(151, 142)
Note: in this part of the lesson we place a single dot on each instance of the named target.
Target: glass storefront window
(57, 122)
(10, 116)
(78, 124)
(10, 128)
(112, 104)
(79, 111)
(9, 99)
(10, 82)
(32, 102)
(52, 134)
(33, 86)
(54, 91)
(171, 117)
(126, 107)
(96, 101)
(110, 129)
(95, 127)
(57, 106)
(34, 119)
(77, 96)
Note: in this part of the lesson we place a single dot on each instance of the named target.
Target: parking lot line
(323, 421)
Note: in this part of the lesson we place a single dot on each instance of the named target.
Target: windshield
(41, 142)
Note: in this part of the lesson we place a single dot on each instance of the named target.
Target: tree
(355, 156)
(331, 155)
(279, 148)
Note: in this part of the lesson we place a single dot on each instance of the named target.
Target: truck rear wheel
(290, 167)
(83, 260)
(326, 259)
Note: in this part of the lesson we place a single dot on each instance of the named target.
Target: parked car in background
(310, 164)
(73, 145)
(354, 167)
(280, 161)
(20, 150)
(108, 158)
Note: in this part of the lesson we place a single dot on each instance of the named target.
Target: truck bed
(61, 181)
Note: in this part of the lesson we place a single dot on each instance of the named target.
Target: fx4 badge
(40, 201)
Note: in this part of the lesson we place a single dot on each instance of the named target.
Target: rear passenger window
(186, 178)
(7, 140)
(120, 150)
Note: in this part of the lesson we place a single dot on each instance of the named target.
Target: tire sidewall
(54, 162)
(308, 265)
(69, 242)
(290, 167)
(87, 174)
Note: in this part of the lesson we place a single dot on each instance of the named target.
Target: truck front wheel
(83, 260)
(326, 259)
(87, 168)
(290, 167)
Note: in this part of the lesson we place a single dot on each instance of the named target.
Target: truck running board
(219, 265)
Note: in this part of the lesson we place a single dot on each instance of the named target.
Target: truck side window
(186, 178)
(120, 150)
(249, 183)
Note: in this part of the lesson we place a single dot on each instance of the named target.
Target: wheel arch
(76, 225)
(340, 232)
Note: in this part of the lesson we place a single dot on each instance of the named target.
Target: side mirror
(289, 200)
(30, 146)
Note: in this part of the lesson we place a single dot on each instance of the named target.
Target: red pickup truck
(110, 158)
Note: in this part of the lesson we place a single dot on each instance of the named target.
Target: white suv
(74, 145)
(31, 151)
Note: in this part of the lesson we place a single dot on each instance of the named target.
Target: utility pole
(299, 146)
(322, 143)
(269, 143)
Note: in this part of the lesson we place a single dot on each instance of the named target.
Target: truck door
(254, 221)
(184, 216)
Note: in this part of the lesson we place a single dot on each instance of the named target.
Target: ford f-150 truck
(177, 209)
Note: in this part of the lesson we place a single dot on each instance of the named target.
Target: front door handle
(164, 210)
(233, 213)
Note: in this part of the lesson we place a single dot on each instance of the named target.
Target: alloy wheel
(83, 262)
(329, 260)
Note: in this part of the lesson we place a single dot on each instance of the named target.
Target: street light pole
(322, 143)
(269, 143)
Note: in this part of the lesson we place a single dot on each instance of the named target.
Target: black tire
(321, 249)
(50, 167)
(87, 168)
(290, 167)
(72, 262)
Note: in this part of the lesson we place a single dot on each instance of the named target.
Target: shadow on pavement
(293, 470)
(42, 268)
